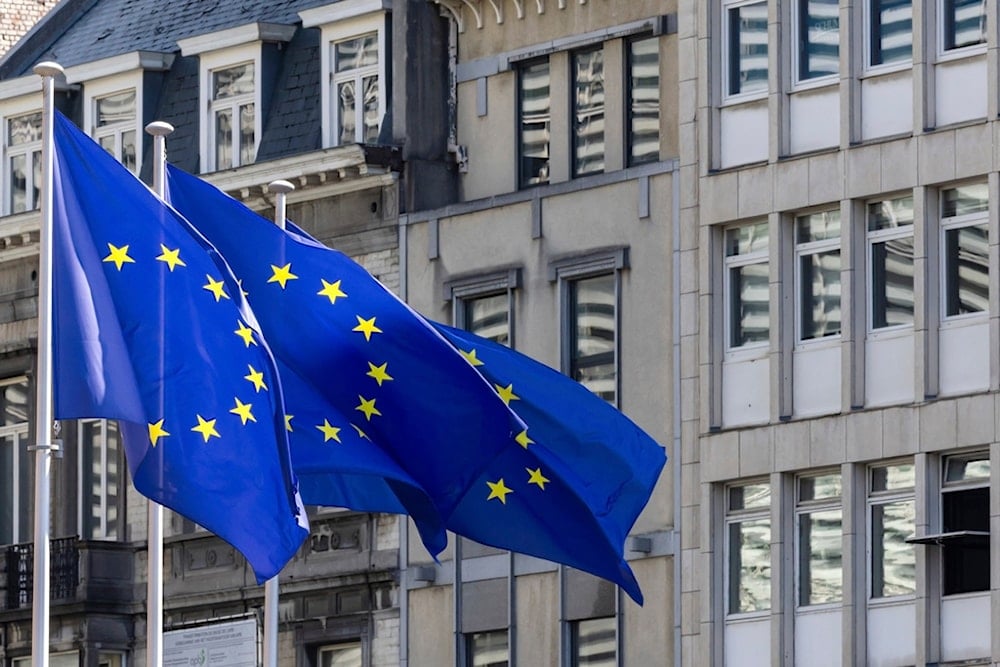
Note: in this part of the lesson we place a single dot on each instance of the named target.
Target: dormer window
(233, 129)
(24, 161)
(356, 82)
(115, 126)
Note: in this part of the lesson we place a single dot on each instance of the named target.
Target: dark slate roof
(81, 31)
(294, 124)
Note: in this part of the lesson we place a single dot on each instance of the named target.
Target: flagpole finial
(159, 128)
(280, 187)
(48, 68)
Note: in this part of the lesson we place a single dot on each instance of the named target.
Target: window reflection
(644, 100)
(588, 112)
(747, 48)
(534, 124)
(592, 331)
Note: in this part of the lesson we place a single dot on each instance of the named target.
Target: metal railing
(65, 572)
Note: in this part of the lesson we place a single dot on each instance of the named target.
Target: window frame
(84, 526)
(463, 290)
(945, 53)
(11, 111)
(339, 645)
(575, 111)
(885, 497)
(947, 538)
(574, 637)
(730, 262)
(630, 102)
(733, 517)
(727, 59)
(882, 236)
(101, 88)
(806, 249)
(469, 639)
(799, 36)
(19, 432)
(524, 183)
(952, 223)
(868, 67)
(804, 508)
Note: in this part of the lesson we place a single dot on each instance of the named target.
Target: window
(818, 25)
(359, 105)
(340, 655)
(965, 244)
(965, 523)
(592, 332)
(24, 161)
(892, 518)
(233, 112)
(963, 23)
(487, 316)
(111, 660)
(820, 548)
(115, 126)
(745, 47)
(101, 475)
(748, 548)
(15, 463)
(817, 251)
(890, 31)
(746, 288)
(643, 108)
(71, 659)
(533, 123)
(486, 649)
(588, 112)
(593, 642)
(890, 242)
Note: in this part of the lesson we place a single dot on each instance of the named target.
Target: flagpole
(271, 587)
(43, 405)
(154, 541)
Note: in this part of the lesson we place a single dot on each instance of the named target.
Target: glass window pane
(746, 239)
(819, 275)
(129, 153)
(594, 643)
(588, 112)
(347, 112)
(112, 480)
(964, 23)
(592, 329)
(890, 214)
(749, 496)
(19, 184)
(233, 81)
(14, 403)
(965, 199)
(820, 556)
(819, 487)
(356, 53)
(821, 226)
(110, 660)
(968, 467)
(487, 649)
(344, 655)
(644, 100)
(92, 445)
(224, 139)
(372, 120)
(893, 477)
(748, 48)
(8, 488)
(749, 566)
(819, 38)
(891, 31)
(108, 143)
(893, 560)
(247, 148)
(488, 316)
(749, 317)
(967, 270)
(892, 282)
(534, 124)
(24, 129)
(117, 108)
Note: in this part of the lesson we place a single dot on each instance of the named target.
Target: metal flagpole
(154, 545)
(43, 405)
(271, 589)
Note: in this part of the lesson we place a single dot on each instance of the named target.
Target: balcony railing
(64, 574)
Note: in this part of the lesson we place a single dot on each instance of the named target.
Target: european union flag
(151, 329)
(579, 479)
(396, 419)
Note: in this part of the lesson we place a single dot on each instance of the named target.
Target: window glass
(593, 324)
(488, 316)
(749, 496)
(748, 547)
(964, 23)
(533, 123)
(110, 660)
(356, 53)
(487, 649)
(233, 81)
(340, 655)
(357, 91)
(818, 251)
(15, 464)
(747, 46)
(892, 516)
(594, 643)
(748, 284)
(820, 541)
(588, 112)
(890, 240)
(644, 100)
(24, 161)
(820, 487)
(819, 38)
(891, 31)
(101, 468)
(233, 116)
(965, 502)
(967, 467)
(966, 260)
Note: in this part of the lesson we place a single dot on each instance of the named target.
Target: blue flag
(384, 414)
(580, 477)
(151, 329)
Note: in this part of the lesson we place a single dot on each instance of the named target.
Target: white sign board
(219, 645)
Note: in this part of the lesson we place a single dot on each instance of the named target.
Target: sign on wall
(218, 645)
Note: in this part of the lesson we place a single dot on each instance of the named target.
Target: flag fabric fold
(151, 329)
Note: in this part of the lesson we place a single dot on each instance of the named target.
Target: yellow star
(216, 287)
(329, 432)
(361, 434)
(119, 256)
(507, 393)
(246, 333)
(288, 423)
(367, 327)
(206, 427)
(536, 477)
(523, 439)
(243, 410)
(156, 431)
(171, 257)
(470, 356)
(282, 274)
(499, 490)
(368, 407)
(331, 291)
(379, 373)
(256, 377)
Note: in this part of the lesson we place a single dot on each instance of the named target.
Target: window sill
(885, 70)
(812, 85)
(963, 53)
